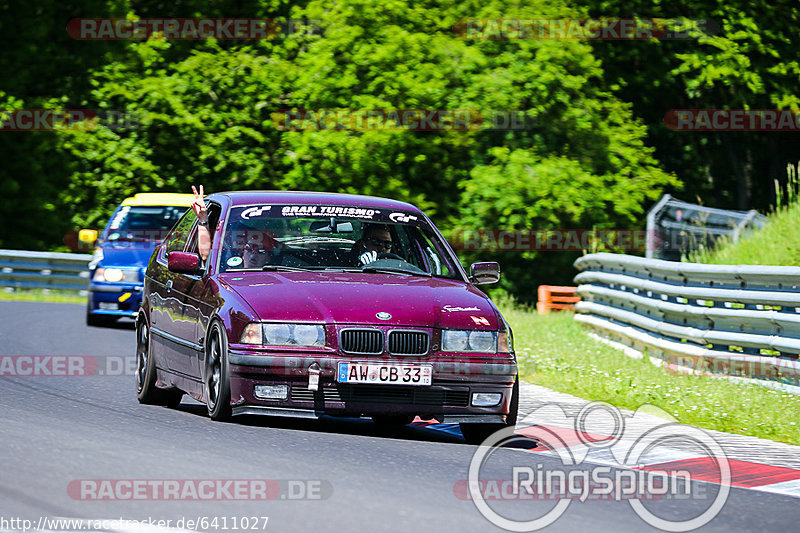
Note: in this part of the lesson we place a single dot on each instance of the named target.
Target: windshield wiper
(266, 268)
(287, 268)
(390, 270)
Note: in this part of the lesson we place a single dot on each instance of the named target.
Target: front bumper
(115, 299)
(448, 398)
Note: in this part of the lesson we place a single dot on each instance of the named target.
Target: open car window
(306, 237)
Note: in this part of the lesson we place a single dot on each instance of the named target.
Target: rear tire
(217, 382)
(477, 433)
(146, 390)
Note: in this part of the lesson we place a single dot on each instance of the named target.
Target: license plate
(108, 306)
(386, 374)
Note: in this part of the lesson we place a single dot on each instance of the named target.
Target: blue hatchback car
(123, 250)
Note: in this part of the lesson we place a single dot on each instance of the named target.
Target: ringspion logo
(632, 469)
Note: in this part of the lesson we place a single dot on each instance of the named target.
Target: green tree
(742, 57)
(210, 113)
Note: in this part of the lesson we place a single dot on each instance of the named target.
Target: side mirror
(88, 236)
(183, 262)
(483, 273)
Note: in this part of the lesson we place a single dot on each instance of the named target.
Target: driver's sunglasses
(254, 250)
(379, 243)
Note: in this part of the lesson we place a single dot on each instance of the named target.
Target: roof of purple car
(238, 198)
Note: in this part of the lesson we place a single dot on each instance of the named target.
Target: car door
(171, 349)
(190, 289)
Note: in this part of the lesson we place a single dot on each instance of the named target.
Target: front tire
(217, 382)
(477, 433)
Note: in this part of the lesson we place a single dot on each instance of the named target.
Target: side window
(213, 216)
(176, 240)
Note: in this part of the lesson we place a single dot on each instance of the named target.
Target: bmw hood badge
(383, 316)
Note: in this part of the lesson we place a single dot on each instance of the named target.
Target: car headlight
(308, 335)
(278, 334)
(454, 340)
(113, 275)
(284, 334)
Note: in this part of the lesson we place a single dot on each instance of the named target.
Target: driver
(376, 239)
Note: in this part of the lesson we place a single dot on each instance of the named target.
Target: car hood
(125, 253)
(356, 298)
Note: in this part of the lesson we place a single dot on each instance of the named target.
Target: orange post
(554, 297)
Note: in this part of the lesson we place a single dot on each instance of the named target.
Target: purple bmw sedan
(312, 304)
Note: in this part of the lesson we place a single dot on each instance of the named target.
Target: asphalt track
(57, 430)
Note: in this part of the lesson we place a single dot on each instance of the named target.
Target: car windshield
(147, 223)
(342, 238)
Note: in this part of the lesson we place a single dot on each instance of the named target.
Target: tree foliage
(594, 152)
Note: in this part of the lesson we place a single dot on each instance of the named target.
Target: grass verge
(554, 351)
(40, 296)
(777, 243)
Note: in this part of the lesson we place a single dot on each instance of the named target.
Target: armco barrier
(44, 270)
(740, 321)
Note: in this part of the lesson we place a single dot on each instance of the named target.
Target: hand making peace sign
(199, 205)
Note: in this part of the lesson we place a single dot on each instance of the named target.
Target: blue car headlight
(116, 275)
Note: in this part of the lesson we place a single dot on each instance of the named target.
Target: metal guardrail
(675, 227)
(44, 270)
(739, 321)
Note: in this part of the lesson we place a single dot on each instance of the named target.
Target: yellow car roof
(159, 198)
